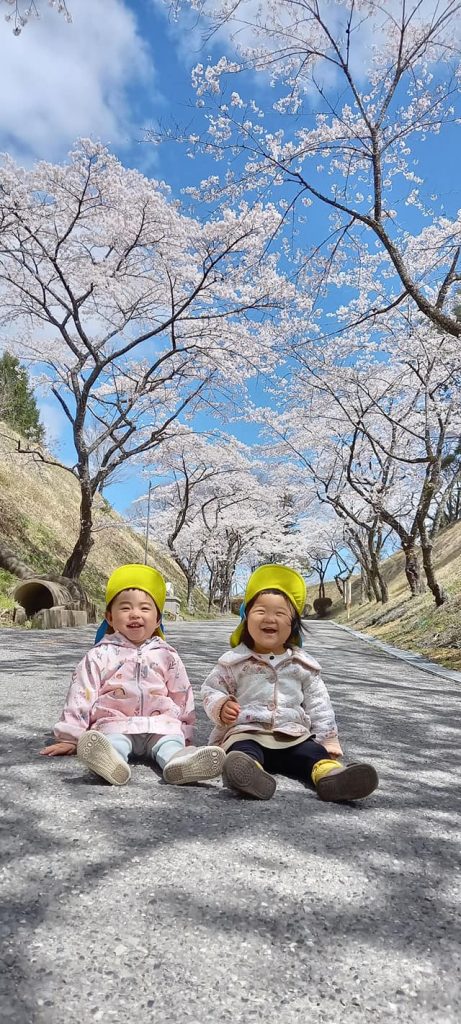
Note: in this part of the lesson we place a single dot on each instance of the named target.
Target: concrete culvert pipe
(35, 594)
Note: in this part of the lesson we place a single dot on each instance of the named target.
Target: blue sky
(119, 68)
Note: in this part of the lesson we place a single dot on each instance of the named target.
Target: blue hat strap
(101, 631)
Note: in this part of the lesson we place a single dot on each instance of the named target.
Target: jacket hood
(244, 653)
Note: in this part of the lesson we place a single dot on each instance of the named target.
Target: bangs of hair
(126, 590)
(296, 624)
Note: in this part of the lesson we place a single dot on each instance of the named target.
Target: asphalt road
(155, 903)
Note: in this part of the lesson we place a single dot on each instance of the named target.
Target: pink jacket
(121, 688)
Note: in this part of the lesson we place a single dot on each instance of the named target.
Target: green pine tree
(17, 402)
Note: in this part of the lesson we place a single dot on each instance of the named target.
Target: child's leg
(297, 760)
(182, 764)
(244, 770)
(166, 747)
(107, 756)
(332, 780)
(122, 744)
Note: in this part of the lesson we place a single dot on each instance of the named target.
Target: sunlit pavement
(163, 904)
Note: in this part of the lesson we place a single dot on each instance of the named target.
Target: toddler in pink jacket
(131, 694)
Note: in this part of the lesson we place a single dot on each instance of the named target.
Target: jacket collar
(243, 653)
(119, 640)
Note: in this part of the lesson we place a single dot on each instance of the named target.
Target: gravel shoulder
(164, 904)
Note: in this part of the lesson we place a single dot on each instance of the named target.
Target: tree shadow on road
(202, 858)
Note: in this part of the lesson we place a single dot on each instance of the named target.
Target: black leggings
(297, 761)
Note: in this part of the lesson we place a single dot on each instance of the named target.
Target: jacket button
(271, 706)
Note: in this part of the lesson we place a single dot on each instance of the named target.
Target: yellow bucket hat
(138, 577)
(272, 577)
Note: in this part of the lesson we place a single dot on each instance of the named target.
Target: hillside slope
(412, 623)
(39, 507)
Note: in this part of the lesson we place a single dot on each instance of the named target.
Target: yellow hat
(138, 577)
(272, 577)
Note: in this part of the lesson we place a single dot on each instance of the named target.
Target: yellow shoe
(336, 783)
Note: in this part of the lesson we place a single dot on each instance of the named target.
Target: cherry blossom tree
(363, 530)
(356, 94)
(203, 477)
(314, 436)
(446, 507)
(133, 313)
(222, 506)
(270, 523)
(346, 563)
(381, 422)
(321, 545)
(20, 12)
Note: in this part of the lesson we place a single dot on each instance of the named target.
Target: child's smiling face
(134, 614)
(269, 623)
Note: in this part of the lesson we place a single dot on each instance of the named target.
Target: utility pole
(147, 523)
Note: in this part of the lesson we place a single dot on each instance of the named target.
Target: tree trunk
(13, 564)
(383, 588)
(77, 560)
(227, 573)
(190, 587)
(212, 587)
(440, 595)
(367, 584)
(412, 570)
(379, 586)
(374, 585)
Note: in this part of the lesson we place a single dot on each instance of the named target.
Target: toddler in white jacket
(271, 709)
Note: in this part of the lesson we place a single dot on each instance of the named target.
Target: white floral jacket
(288, 697)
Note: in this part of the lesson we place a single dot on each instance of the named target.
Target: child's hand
(229, 712)
(59, 749)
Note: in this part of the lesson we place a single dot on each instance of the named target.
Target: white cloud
(62, 81)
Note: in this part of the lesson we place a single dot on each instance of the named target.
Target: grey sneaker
(353, 782)
(243, 773)
(96, 753)
(194, 766)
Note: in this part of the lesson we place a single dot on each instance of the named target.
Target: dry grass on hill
(412, 623)
(39, 515)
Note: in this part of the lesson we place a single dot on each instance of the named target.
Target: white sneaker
(194, 766)
(96, 752)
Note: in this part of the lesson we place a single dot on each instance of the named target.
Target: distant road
(163, 905)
